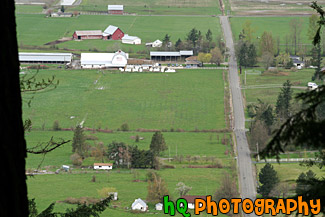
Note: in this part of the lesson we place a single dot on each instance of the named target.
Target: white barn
(104, 60)
(103, 166)
(127, 39)
(139, 204)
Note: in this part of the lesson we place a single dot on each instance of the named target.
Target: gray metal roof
(110, 30)
(45, 57)
(186, 52)
(165, 53)
(89, 32)
(115, 7)
(172, 53)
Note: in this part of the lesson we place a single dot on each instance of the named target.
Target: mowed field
(154, 7)
(37, 30)
(188, 99)
(278, 26)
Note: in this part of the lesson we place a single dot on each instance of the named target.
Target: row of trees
(195, 40)
(123, 155)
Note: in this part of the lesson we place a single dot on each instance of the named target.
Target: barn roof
(100, 58)
(186, 52)
(88, 32)
(110, 30)
(129, 37)
(174, 54)
(191, 198)
(103, 164)
(115, 7)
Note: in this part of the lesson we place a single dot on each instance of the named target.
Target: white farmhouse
(139, 204)
(104, 60)
(127, 39)
(103, 166)
(156, 43)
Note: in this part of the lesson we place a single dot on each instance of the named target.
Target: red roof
(191, 198)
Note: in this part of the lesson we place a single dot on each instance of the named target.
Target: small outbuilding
(127, 39)
(115, 9)
(156, 43)
(191, 200)
(159, 206)
(103, 166)
(140, 205)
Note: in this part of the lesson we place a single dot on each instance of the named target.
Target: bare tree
(295, 32)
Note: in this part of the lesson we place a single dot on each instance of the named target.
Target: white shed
(103, 166)
(159, 206)
(139, 204)
(127, 39)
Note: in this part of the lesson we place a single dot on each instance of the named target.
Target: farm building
(88, 34)
(103, 166)
(67, 2)
(139, 204)
(61, 14)
(104, 60)
(156, 43)
(113, 33)
(115, 9)
(191, 200)
(170, 55)
(159, 206)
(127, 39)
(61, 58)
(193, 63)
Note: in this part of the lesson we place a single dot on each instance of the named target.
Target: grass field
(194, 144)
(261, 24)
(289, 172)
(269, 95)
(154, 7)
(188, 99)
(37, 30)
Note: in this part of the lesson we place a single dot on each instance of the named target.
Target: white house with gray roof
(139, 204)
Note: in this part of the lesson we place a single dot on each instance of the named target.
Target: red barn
(92, 34)
(115, 9)
(113, 33)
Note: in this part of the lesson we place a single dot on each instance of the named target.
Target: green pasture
(278, 26)
(193, 144)
(188, 99)
(58, 187)
(298, 78)
(153, 7)
(37, 30)
(289, 172)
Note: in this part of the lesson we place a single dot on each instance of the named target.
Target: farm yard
(44, 30)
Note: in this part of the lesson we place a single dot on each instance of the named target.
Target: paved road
(246, 177)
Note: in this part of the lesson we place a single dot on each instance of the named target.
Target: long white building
(104, 60)
(61, 58)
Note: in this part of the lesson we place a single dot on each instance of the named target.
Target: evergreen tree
(178, 44)
(316, 60)
(78, 142)
(268, 178)
(283, 102)
(252, 55)
(193, 37)
(208, 35)
(302, 183)
(158, 143)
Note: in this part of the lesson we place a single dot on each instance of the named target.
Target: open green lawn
(269, 95)
(57, 187)
(289, 172)
(193, 144)
(261, 24)
(154, 7)
(36, 30)
(188, 99)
